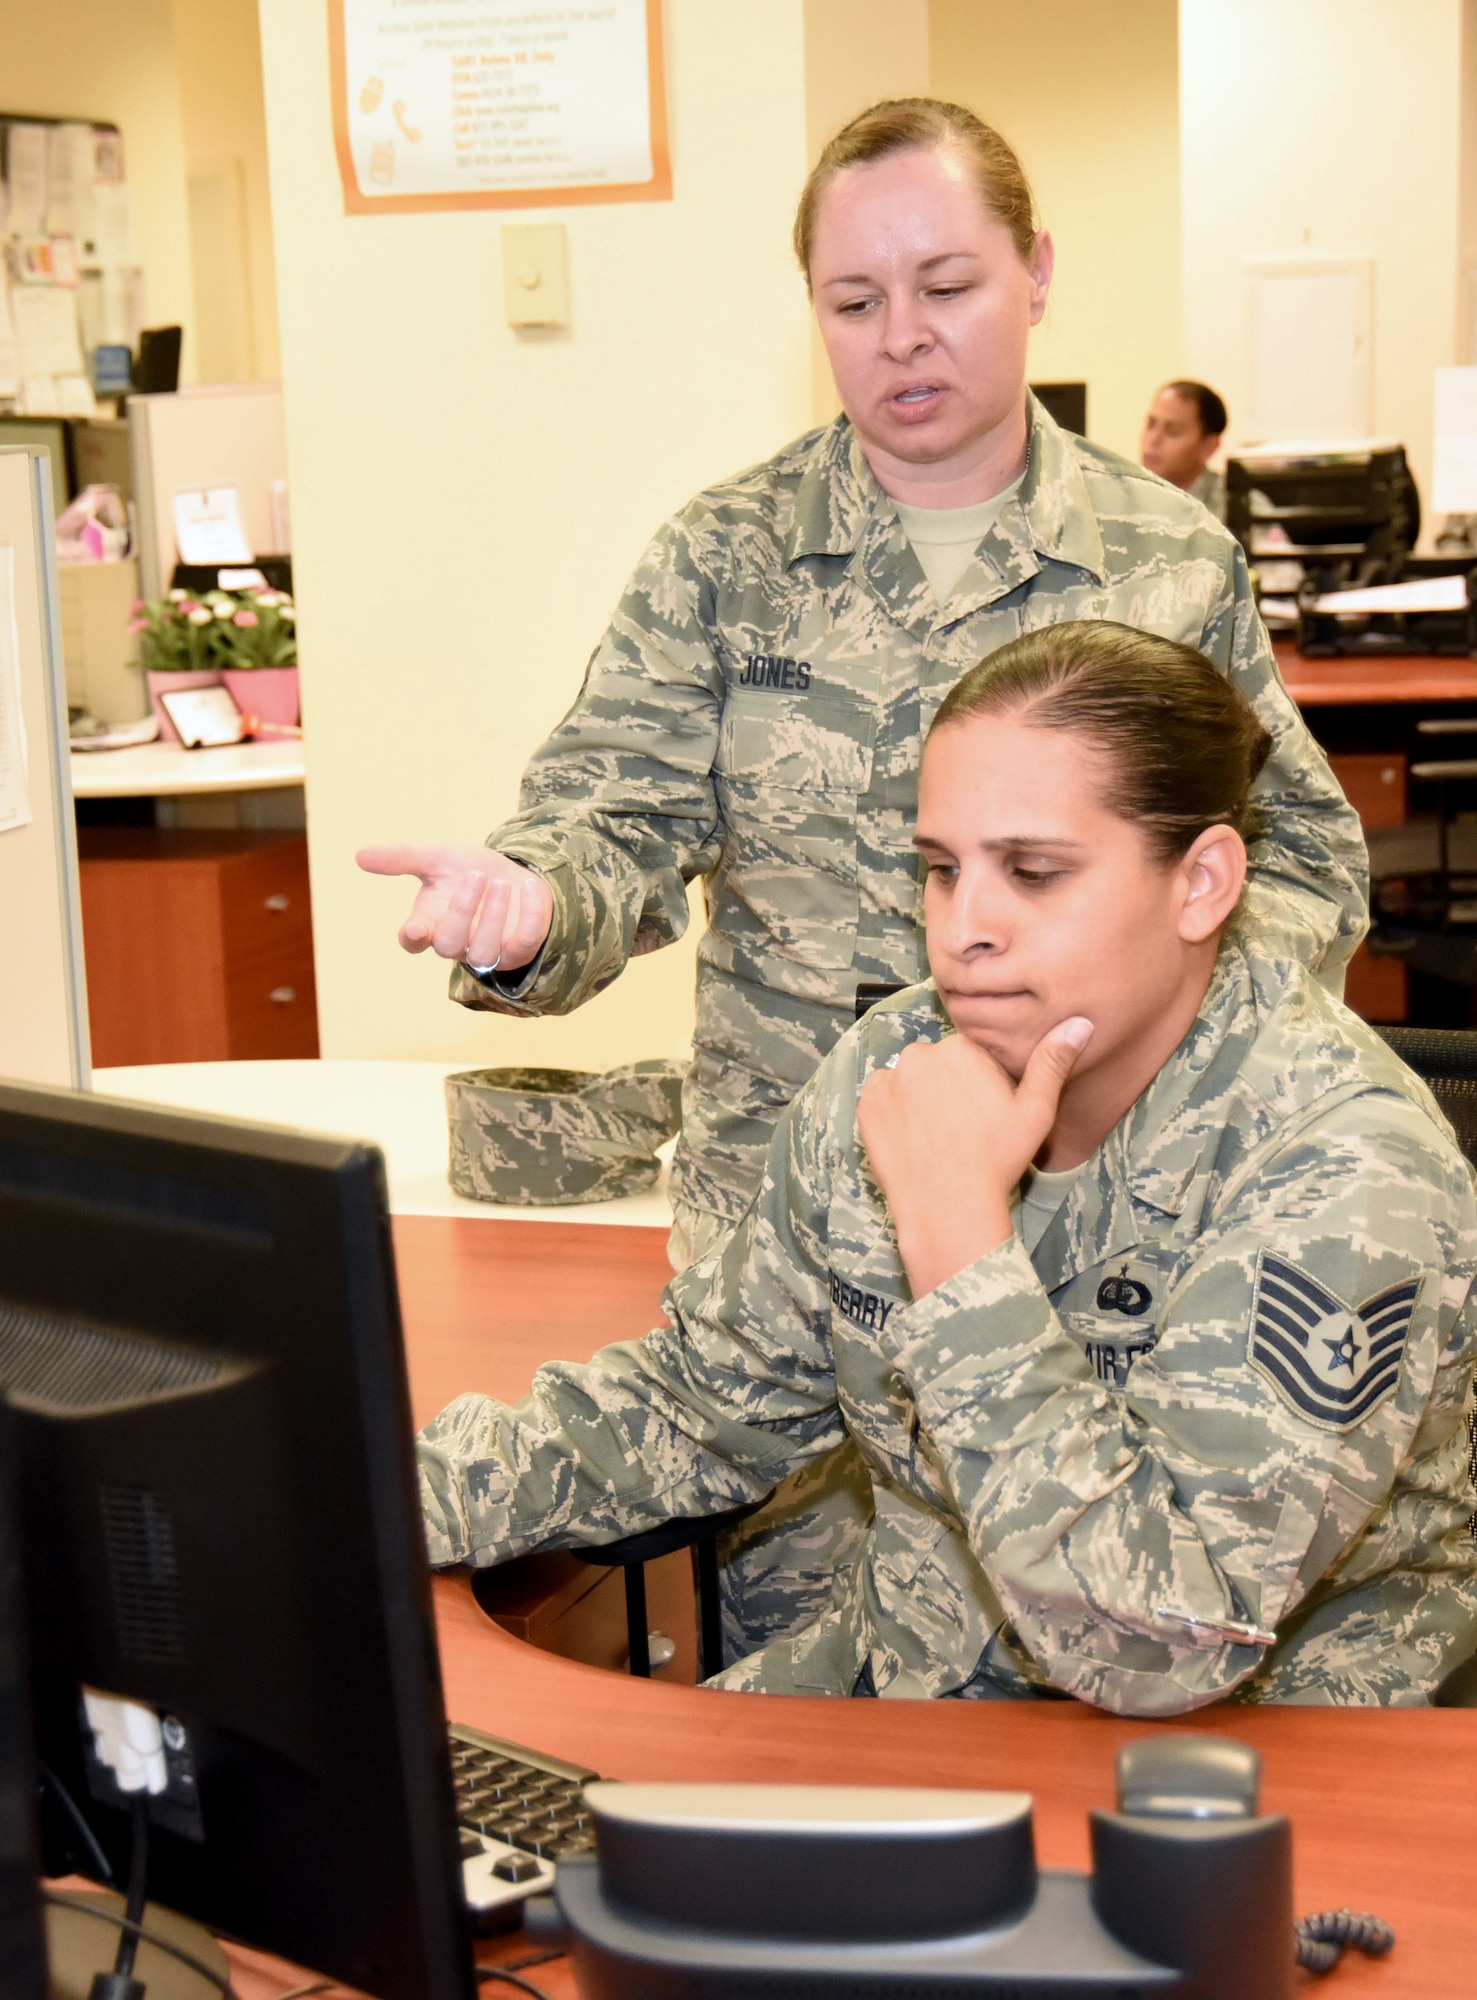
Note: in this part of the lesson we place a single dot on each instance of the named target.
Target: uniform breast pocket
(790, 769)
(1111, 1345)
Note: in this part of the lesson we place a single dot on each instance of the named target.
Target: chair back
(1445, 1059)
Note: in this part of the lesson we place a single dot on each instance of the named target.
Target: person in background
(1182, 434)
(755, 714)
(1137, 1269)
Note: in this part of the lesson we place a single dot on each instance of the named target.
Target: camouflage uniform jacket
(755, 715)
(1225, 1394)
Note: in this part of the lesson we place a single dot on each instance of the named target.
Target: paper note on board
(46, 330)
(38, 396)
(1454, 487)
(26, 149)
(10, 373)
(111, 245)
(74, 397)
(15, 799)
(207, 527)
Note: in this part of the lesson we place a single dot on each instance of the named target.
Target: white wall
(1466, 350)
(219, 58)
(1086, 92)
(467, 501)
(1325, 128)
(97, 59)
(856, 53)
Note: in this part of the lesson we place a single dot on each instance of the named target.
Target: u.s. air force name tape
(545, 1137)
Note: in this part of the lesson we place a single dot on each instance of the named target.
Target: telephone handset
(720, 1892)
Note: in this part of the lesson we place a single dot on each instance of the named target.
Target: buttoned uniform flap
(906, 1531)
(790, 769)
(786, 728)
(932, 1607)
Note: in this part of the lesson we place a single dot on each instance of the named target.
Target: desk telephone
(781, 1892)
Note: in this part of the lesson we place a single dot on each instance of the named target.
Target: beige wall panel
(218, 51)
(468, 501)
(856, 51)
(1325, 129)
(1087, 93)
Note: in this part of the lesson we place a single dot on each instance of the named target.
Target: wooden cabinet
(552, 1600)
(1374, 785)
(199, 944)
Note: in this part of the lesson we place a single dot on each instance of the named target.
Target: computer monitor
(1066, 402)
(200, 1342)
(22, 1941)
(156, 371)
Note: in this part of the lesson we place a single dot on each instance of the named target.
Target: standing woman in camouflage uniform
(1175, 1412)
(755, 712)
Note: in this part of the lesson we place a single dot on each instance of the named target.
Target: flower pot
(207, 677)
(269, 693)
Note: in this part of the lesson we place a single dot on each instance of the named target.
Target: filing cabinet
(199, 944)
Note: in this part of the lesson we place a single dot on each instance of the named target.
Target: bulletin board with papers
(448, 104)
(70, 282)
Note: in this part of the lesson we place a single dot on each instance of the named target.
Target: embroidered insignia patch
(1124, 1294)
(1332, 1363)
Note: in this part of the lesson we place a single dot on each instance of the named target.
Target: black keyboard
(518, 1812)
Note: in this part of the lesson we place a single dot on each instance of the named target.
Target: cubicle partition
(227, 436)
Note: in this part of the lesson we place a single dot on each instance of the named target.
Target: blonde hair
(908, 124)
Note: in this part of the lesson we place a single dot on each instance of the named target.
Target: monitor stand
(79, 1946)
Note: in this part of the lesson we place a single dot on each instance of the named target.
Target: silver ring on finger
(483, 971)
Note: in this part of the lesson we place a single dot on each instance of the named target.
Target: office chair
(1445, 1059)
(634, 1552)
(1424, 874)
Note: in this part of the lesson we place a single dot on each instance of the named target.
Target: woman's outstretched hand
(473, 904)
(949, 1136)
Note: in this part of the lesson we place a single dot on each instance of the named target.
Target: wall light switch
(536, 274)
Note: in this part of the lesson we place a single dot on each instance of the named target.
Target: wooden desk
(164, 770)
(1384, 1803)
(1398, 679)
(199, 943)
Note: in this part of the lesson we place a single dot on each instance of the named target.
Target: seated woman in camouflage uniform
(1135, 1267)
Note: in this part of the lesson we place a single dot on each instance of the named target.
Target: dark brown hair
(1210, 411)
(907, 124)
(1181, 745)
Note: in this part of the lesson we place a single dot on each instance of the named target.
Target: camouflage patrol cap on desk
(545, 1137)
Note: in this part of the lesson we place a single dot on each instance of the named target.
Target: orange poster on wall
(445, 104)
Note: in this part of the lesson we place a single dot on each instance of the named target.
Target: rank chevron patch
(1331, 1363)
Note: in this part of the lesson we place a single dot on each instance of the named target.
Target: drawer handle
(278, 903)
(283, 995)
